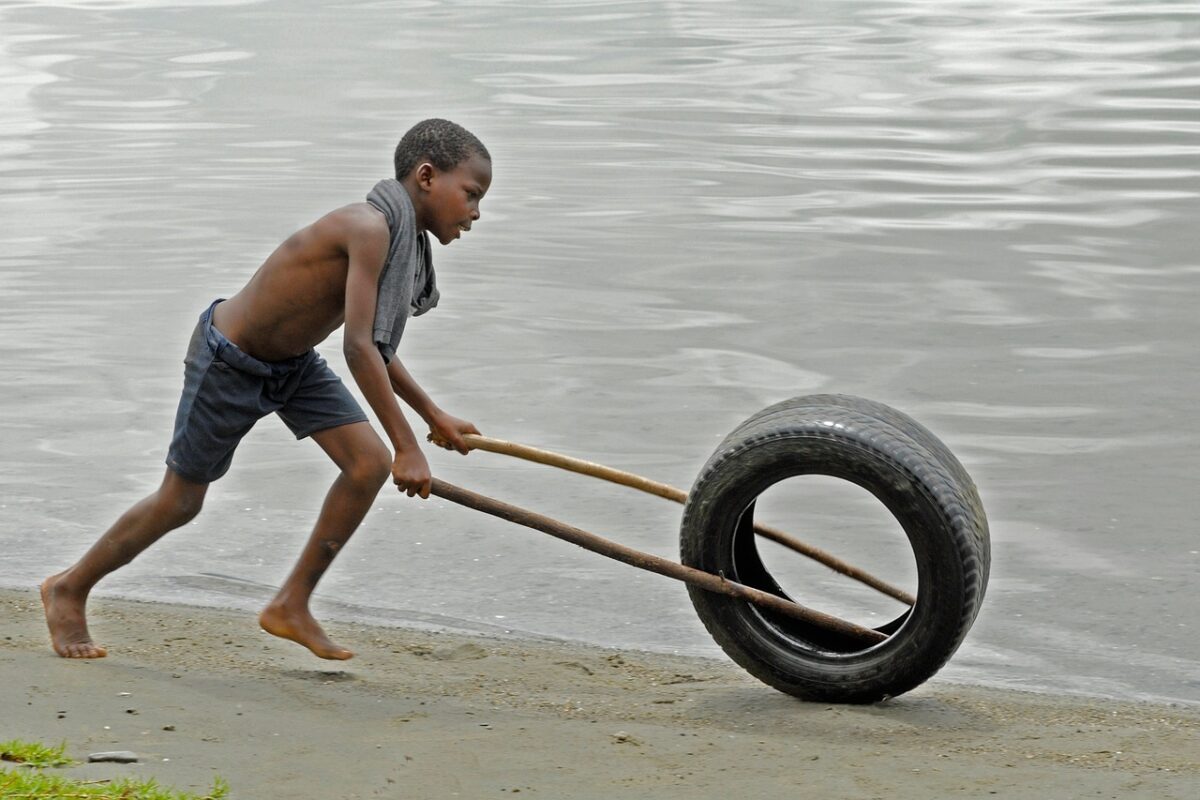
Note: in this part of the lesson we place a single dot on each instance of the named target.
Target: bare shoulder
(354, 227)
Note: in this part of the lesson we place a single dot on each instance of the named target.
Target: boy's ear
(424, 174)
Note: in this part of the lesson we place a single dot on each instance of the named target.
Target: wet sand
(200, 692)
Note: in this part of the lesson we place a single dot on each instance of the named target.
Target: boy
(366, 266)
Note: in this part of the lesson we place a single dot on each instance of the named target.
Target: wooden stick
(523, 451)
(834, 563)
(477, 442)
(653, 563)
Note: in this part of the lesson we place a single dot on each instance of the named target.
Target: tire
(914, 430)
(916, 478)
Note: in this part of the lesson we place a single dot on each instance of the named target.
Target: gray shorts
(225, 391)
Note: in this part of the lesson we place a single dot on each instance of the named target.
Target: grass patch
(27, 784)
(34, 754)
(33, 784)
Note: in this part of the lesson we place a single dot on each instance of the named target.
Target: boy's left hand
(446, 431)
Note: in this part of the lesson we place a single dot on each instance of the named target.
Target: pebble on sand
(116, 756)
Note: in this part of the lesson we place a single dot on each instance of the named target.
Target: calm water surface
(984, 214)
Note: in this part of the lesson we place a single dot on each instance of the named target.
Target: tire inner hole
(844, 520)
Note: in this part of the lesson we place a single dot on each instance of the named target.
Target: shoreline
(334, 612)
(199, 692)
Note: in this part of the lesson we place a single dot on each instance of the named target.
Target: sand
(419, 714)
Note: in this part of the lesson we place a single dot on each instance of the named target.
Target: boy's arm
(367, 243)
(446, 429)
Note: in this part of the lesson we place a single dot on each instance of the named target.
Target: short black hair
(438, 141)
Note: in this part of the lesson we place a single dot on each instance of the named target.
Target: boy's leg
(64, 595)
(365, 464)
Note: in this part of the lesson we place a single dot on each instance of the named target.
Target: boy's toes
(322, 647)
(83, 650)
(337, 654)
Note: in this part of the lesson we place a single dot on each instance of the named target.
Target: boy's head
(438, 141)
(446, 171)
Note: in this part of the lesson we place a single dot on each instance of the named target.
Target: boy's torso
(298, 296)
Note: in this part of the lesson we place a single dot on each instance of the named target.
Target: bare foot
(300, 627)
(68, 625)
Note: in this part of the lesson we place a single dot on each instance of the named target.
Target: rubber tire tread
(904, 423)
(912, 473)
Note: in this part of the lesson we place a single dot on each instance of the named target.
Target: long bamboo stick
(653, 563)
(539, 456)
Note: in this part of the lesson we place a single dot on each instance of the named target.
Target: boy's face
(452, 197)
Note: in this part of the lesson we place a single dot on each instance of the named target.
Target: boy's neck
(410, 185)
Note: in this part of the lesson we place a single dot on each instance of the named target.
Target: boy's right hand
(410, 473)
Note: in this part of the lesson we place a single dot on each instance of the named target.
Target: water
(982, 214)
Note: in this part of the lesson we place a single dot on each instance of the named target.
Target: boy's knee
(184, 509)
(371, 468)
(180, 509)
(179, 499)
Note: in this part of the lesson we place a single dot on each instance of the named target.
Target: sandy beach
(417, 714)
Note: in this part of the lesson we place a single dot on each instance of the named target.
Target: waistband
(238, 358)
